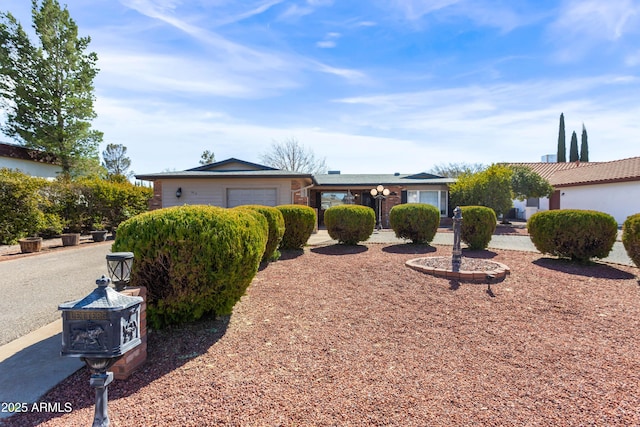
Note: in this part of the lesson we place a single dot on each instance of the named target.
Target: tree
(562, 147)
(454, 170)
(47, 90)
(116, 162)
(584, 146)
(490, 188)
(573, 150)
(207, 157)
(292, 156)
(526, 183)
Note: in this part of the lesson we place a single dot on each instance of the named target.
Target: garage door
(254, 196)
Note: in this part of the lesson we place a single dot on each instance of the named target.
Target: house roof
(377, 179)
(547, 170)
(232, 164)
(23, 153)
(599, 173)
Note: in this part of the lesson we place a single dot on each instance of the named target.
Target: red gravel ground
(350, 336)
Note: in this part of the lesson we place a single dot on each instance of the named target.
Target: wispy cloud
(329, 41)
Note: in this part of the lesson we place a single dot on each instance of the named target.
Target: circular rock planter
(30, 244)
(70, 239)
(471, 269)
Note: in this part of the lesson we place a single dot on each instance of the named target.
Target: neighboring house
(610, 187)
(31, 162)
(235, 182)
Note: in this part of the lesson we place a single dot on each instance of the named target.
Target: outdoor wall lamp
(379, 193)
(119, 267)
(179, 192)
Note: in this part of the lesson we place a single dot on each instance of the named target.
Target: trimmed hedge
(417, 222)
(276, 229)
(631, 237)
(573, 233)
(299, 222)
(478, 225)
(350, 224)
(194, 260)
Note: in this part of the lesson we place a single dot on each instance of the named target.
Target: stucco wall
(210, 192)
(43, 170)
(618, 200)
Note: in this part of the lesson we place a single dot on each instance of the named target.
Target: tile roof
(23, 153)
(547, 170)
(599, 173)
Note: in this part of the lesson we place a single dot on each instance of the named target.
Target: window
(436, 198)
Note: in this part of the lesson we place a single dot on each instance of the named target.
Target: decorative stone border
(497, 273)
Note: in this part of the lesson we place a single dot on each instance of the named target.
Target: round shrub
(478, 225)
(350, 224)
(631, 237)
(417, 222)
(299, 221)
(20, 200)
(276, 229)
(194, 260)
(573, 233)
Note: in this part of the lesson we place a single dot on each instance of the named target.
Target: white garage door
(254, 196)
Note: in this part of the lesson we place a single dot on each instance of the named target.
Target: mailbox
(104, 324)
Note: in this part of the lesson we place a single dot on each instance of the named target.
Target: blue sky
(376, 86)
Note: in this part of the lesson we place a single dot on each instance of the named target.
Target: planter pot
(30, 244)
(99, 235)
(70, 239)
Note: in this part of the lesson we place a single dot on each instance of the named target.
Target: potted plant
(30, 244)
(98, 232)
(70, 239)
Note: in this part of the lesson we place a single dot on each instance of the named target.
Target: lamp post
(456, 258)
(379, 193)
(119, 267)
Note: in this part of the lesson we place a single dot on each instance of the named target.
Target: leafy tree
(47, 90)
(526, 183)
(584, 146)
(573, 150)
(292, 156)
(490, 188)
(207, 157)
(116, 162)
(562, 147)
(454, 170)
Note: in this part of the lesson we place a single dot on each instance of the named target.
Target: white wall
(214, 192)
(619, 199)
(44, 170)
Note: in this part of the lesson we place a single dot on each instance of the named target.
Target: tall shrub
(417, 222)
(20, 201)
(631, 237)
(194, 260)
(275, 221)
(299, 221)
(573, 233)
(478, 225)
(350, 224)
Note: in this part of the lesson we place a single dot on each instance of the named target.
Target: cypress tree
(573, 150)
(562, 148)
(584, 147)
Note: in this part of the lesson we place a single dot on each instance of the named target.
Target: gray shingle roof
(376, 179)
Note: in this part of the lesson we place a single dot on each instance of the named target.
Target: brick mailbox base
(135, 357)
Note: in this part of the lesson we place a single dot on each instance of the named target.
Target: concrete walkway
(34, 286)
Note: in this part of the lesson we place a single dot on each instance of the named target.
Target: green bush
(631, 237)
(417, 222)
(478, 225)
(20, 200)
(573, 233)
(299, 222)
(276, 229)
(194, 260)
(350, 224)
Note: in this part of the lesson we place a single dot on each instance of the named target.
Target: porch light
(179, 192)
(119, 267)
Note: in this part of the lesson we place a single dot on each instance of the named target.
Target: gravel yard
(350, 336)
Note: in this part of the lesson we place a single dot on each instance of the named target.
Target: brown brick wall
(135, 357)
(156, 200)
(298, 198)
